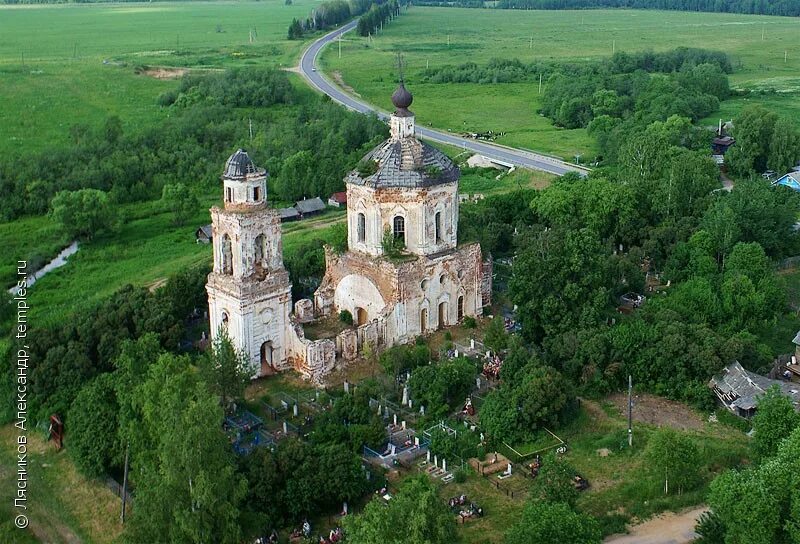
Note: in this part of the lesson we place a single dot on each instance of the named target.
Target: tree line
(210, 115)
(761, 7)
(335, 12)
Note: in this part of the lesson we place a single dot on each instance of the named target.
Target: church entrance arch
(267, 351)
(442, 314)
(361, 316)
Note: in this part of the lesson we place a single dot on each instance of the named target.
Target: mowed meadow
(434, 37)
(62, 65)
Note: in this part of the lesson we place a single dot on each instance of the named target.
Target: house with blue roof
(791, 180)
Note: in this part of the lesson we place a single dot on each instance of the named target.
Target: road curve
(517, 157)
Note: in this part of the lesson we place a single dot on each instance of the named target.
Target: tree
(187, 487)
(784, 146)
(295, 28)
(415, 514)
(537, 397)
(443, 386)
(496, 337)
(179, 201)
(775, 419)
(555, 482)
(753, 132)
(92, 439)
(544, 521)
(83, 213)
(560, 280)
(226, 370)
(673, 457)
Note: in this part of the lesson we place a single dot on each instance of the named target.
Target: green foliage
(180, 201)
(495, 336)
(83, 213)
(730, 419)
(469, 322)
(299, 480)
(775, 419)
(346, 317)
(92, 440)
(399, 359)
(393, 246)
(761, 505)
(66, 356)
(710, 528)
(443, 386)
(673, 457)
(536, 397)
(753, 132)
(187, 486)
(307, 157)
(226, 370)
(377, 15)
(561, 280)
(544, 521)
(555, 482)
(295, 28)
(415, 514)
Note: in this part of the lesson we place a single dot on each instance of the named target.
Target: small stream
(59, 261)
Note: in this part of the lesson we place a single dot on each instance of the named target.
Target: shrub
(346, 317)
(469, 322)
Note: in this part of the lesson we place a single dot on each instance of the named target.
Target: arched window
(256, 194)
(224, 319)
(228, 194)
(399, 228)
(227, 255)
(461, 307)
(259, 249)
(423, 320)
(361, 228)
(437, 219)
(442, 279)
(442, 315)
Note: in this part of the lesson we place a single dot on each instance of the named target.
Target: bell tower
(249, 293)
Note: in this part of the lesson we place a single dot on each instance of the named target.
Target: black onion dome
(239, 165)
(402, 98)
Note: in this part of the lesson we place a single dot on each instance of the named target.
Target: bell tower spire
(401, 123)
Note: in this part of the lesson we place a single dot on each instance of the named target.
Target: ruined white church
(404, 191)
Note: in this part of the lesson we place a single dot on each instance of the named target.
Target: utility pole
(125, 483)
(613, 47)
(630, 411)
(251, 129)
(763, 26)
(540, 83)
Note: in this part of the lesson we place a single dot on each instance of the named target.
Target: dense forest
(760, 7)
(307, 144)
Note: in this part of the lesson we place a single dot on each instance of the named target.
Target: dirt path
(668, 528)
(659, 411)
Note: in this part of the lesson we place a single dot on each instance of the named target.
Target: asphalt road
(519, 158)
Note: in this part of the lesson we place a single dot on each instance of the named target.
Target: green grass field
(421, 34)
(77, 63)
